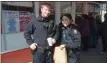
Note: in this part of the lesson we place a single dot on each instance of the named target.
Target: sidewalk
(20, 56)
(24, 56)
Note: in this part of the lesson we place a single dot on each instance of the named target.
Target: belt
(42, 49)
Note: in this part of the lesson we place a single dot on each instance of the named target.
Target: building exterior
(14, 40)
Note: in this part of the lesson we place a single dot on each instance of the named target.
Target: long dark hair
(68, 16)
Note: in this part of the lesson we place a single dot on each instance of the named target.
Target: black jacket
(38, 30)
(105, 28)
(71, 37)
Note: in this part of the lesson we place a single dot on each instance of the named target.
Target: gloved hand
(62, 46)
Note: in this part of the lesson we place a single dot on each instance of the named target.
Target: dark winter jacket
(71, 37)
(38, 30)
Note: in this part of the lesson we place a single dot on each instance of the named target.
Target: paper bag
(60, 56)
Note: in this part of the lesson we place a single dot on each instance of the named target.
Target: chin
(46, 16)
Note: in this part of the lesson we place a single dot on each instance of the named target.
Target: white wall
(2, 43)
(14, 42)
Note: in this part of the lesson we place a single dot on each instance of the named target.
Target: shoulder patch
(75, 31)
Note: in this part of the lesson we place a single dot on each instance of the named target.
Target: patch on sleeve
(75, 31)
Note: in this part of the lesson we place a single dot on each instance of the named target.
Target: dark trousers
(40, 57)
(103, 43)
(103, 39)
(74, 56)
(93, 41)
(85, 42)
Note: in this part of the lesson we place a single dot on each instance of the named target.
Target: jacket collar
(41, 19)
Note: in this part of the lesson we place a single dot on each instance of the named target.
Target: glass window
(103, 11)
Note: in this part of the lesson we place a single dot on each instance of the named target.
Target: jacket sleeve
(28, 32)
(53, 30)
(76, 42)
(55, 35)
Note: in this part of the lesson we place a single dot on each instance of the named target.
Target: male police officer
(43, 32)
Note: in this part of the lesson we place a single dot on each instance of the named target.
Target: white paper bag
(60, 56)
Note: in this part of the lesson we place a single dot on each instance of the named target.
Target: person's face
(65, 21)
(45, 11)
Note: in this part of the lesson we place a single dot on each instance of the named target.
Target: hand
(62, 46)
(33, 46)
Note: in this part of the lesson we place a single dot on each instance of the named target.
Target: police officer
(43, 33)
